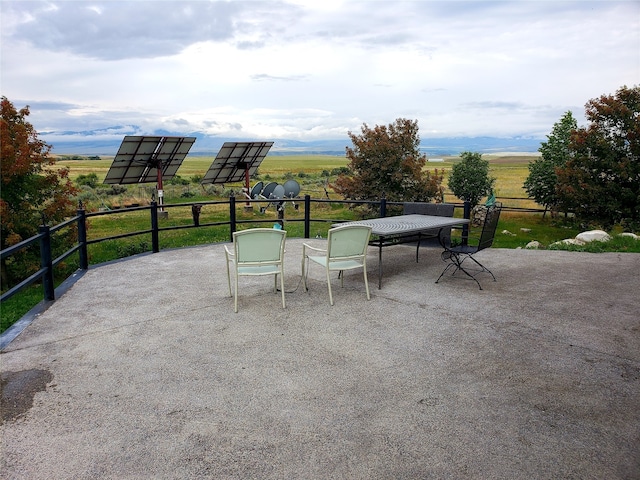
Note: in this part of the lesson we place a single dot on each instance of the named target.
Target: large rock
(594, 235)
(478, 214)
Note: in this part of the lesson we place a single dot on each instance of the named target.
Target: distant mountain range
(97, 143)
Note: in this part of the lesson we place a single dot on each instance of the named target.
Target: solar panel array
(233, 161)
(139, 159)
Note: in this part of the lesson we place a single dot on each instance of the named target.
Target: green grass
(527, 227)
(17, 306)
(616, 244)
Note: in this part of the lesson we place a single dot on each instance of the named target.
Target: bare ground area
(142, 370)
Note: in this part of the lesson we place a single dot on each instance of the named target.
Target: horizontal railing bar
(19, 246)
(64, 224)
(25, 283)
(116, 237)
(66, 254)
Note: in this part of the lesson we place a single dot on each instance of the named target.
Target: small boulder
(533, 245)
(594, 235)
(525, 230)
(630, 235)
(507, 232)
(568, 241)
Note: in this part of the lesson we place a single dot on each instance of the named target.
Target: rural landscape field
(521, 222)
(314, 174)
(510, 171)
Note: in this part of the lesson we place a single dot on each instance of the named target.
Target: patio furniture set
(260, 251)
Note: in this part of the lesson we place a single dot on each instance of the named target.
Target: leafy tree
(542, 180)
(386, 161)
(469, 179)
(31, 188)
(601, 181)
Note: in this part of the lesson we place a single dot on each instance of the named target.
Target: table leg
(380, 264)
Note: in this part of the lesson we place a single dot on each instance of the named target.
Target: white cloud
(304, 69)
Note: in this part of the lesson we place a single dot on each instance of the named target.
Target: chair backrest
(490, 226)
(348, 241)
(256, 245)
(438, 209)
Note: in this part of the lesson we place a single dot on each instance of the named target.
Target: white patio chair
(257, 251)
(346, 250)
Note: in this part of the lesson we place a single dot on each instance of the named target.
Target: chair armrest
(306, 246)
(228, 253)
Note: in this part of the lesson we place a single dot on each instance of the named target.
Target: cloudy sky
(314, 69)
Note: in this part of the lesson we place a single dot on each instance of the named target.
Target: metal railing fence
(47, 263)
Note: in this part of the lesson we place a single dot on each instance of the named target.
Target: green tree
(556, 152)
(32, 188)
(469, 179)
(601, 181)
(386, 161)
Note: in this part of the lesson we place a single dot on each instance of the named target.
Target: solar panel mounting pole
(158, 164)
(247, 205)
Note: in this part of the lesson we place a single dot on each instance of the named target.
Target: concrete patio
(142, 370)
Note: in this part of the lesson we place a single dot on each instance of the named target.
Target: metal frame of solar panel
(235, 161)
(140, 159)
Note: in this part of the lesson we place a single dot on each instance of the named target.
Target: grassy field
(509, 170)
(274, 165)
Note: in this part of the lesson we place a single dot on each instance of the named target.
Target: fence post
(46, 262)
(307, 215)
(280, 209)
(82, 239)
(155, 241)
(383, 206)
(232, 215)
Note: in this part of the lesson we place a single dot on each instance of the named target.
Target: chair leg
(484, 269)
(470, 276)
(366, 282)
(235, 301)
(229, 278)
(456, 263)
(282, 287)
(329, 286)
(446, 269)
(304, 275)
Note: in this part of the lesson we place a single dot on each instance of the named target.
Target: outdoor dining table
(394, 230)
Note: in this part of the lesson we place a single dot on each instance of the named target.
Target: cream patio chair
(346, 250)
(257, 251)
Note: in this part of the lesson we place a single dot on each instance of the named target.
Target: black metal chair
(456, 256)
(429, 238)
